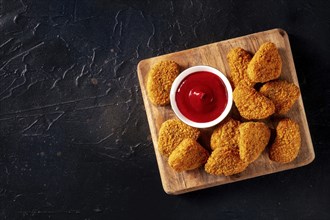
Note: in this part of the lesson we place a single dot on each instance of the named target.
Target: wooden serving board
(215, 55)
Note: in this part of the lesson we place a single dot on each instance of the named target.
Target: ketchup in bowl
(201, 96)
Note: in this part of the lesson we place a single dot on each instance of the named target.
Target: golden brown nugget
(238, 60)
(282, 93)
(225, 161)
(252, 104)
(159, 81)
(287, 142)
(266, 64)
(188, 155)
(225, 134)
(253, 138)
(171, 133)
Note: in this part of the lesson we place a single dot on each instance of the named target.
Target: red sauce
(201, 96)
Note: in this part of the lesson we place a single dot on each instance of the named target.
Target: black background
(75, 142)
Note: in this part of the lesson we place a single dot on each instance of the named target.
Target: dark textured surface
(75, 142)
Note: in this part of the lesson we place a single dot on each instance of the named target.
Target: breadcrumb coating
(225, 161)
(238, 60)
(282, 93)
(287, 142)
(171, 133)
(188, 155)
(253, 138)
(252, 104)
(225, 134)
(266, 64)
(159, 81)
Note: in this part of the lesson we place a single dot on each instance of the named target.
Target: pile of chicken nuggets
(259, 96)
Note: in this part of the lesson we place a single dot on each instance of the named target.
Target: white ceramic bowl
(177, 83)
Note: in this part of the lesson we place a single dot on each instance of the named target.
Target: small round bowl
(177, 82)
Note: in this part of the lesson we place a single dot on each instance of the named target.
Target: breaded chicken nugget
(252, 104)
(282, 93)
(266, 64)
(159, 81)
(171, 133)
(238, 60)
(253, 138)
(225, 134)
(287, 142)
(188, 155)
(225, 161)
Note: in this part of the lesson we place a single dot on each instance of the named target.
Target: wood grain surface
(214, 55)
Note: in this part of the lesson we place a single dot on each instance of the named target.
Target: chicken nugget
(188, 155)
(266, 64)
(225, 134)
(253, 138)
(287, 142)
(225, 161)
(238, 60)
(171, 133)
(252, 104)
(159, 81)
(282, 93)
